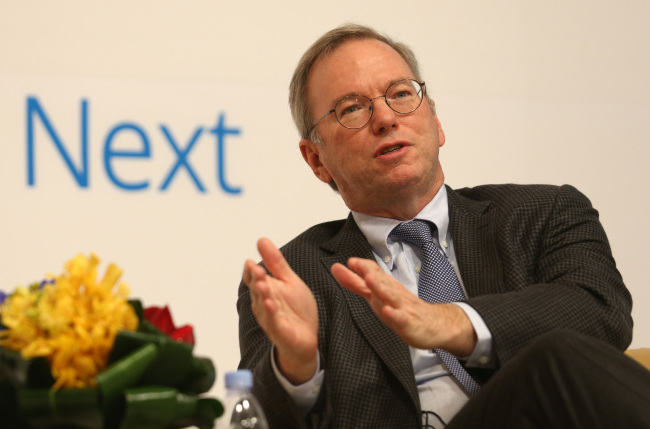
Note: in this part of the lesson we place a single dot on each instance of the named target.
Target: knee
(559, 345)
(556, 340)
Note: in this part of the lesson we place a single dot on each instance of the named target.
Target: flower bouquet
(75, 352)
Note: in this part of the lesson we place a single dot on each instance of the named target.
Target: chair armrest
(641, 355)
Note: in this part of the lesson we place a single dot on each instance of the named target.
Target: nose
(383, 117)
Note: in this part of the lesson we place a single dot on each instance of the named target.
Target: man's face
(394, 155)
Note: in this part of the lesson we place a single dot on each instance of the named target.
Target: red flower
(161, 318)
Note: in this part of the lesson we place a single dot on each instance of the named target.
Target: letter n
(80, 174)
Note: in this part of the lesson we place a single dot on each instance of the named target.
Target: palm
(286, 310)
(291, 315)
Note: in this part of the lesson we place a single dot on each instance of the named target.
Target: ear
(311, 154)
(441, 133)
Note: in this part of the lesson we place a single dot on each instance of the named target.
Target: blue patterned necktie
(438, 284)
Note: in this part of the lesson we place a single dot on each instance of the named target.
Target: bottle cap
(240, 379)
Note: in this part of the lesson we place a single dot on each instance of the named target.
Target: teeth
(391, 149)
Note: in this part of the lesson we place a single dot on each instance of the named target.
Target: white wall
(552, 92)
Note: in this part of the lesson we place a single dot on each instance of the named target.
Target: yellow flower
(72, 322)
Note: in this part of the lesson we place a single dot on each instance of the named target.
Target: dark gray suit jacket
(532, 258)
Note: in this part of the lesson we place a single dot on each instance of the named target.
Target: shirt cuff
(304, 395)
(483, 354)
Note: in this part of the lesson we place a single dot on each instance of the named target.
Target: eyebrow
(388, 83)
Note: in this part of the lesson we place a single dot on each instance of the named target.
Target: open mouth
(390, 149)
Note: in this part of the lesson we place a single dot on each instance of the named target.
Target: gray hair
(324, 46)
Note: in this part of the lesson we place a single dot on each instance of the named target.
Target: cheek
(329, 159)
(336, 154)
(343, 166)
(334, 164)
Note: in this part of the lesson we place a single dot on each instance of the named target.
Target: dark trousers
(562, 380)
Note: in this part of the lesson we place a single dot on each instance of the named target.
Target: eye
(403, 90)
(350, 109)
(350, 106)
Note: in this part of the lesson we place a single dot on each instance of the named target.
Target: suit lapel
(390, 348)
(473, 230)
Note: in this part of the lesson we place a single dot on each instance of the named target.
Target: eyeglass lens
(403, 96)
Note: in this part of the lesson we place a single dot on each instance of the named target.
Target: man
(336, 332)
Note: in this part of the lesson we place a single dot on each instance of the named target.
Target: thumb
(274, 260)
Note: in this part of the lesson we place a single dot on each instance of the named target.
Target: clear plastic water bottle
(242, 411)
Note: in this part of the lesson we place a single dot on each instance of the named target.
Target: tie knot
(417, 232)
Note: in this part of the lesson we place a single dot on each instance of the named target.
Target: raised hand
(420, 324)
(286, 310)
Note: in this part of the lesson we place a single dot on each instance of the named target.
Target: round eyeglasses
(354, 111)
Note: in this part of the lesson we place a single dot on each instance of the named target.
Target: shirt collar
(376, 229)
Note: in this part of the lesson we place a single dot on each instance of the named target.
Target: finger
(262, 287)
(270, 306)
(257, 280)
(268, 291)
(363, 267)
(251, 277)
(384, 288)
(350, 280)
(262, 302)
(386, 291)
(395, 318)
(274, 260)
(248, 276)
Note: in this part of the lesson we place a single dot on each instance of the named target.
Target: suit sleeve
(558, 272)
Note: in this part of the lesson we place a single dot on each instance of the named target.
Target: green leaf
(172, 365)
(29, 373)
(125, 373)
(65, 408)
